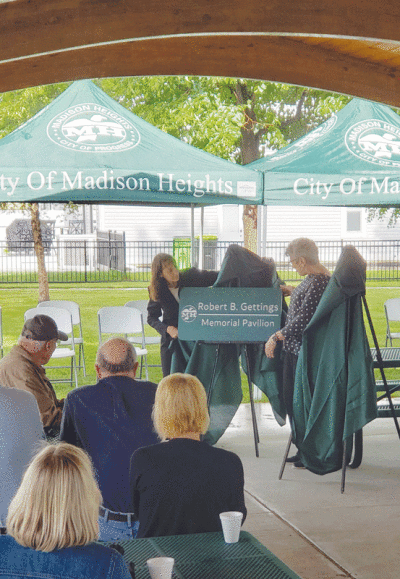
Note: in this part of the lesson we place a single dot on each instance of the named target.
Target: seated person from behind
(110, 420)
(52, 522)
(23, 368)
(21, 432)
(180, 486)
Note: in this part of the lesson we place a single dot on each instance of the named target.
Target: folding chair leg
(285, 457)
(82, 357)
(74, 372)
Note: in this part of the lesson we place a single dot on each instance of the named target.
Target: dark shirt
(181, 486)
(168, 307)
(110, 420)
(303, 303)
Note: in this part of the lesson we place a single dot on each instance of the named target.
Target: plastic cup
(231, 522)
(161, 567)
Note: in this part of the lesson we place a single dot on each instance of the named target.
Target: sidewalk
(305, 520)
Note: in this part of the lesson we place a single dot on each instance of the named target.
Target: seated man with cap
(23, 368)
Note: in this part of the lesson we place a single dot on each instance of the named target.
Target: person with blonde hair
(52, 521)
(304, 299)
(165, 285)
(181, 485)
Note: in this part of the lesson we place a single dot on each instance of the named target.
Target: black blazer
(167, 306)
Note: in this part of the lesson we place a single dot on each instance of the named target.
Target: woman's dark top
(303, 303)
(168, 307)
(181, 486)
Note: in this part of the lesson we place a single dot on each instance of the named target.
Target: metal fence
(78, 260)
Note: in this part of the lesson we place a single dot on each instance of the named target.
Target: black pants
(166, 356)
(289, 374)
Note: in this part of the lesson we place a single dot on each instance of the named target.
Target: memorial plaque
(232, 314)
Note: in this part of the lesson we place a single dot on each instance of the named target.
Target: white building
(225, 222)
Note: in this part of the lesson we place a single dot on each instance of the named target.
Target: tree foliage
(235, 119)
(209, 112)
(18, 106)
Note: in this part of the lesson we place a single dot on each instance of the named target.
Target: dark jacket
(167, 308)
(110, 420)
(181, 486)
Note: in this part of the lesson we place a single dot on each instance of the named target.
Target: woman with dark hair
(182, 484)
(52, 522)
(166, 283)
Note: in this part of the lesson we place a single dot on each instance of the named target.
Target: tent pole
(261, 233)
(192, 235)
(253, 411)
(201, 240)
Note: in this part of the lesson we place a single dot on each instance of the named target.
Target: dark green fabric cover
(334, 387)
(240, 268)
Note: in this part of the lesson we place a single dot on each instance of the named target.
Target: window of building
(353, 222)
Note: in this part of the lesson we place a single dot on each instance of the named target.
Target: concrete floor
(305, 520)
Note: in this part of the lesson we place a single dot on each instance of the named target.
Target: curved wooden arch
(354, 49)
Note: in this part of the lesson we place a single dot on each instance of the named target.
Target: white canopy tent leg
(192, 234)
(201, 241)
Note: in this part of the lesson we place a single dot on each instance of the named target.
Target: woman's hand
(270, 348)
(287, 290)
(271, 344)
(172, 331)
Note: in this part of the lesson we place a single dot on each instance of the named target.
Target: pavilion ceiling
(353, 48)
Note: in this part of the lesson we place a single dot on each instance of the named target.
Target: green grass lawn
(91, 297)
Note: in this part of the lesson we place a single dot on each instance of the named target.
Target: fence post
(84, 257)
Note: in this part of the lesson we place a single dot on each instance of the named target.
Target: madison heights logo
(92, 128)
(375, 141)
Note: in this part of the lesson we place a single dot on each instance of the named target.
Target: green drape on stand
(334, 392)
(218, 365)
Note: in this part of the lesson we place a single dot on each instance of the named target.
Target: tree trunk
(249, 150)
(44, 294)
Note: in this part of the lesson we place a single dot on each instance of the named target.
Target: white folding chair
(63, 319)
(75, 312)
(141, 305)
(126, 321)
(392, 312)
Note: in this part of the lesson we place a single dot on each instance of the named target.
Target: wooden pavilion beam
(281, 59)
(39, 26)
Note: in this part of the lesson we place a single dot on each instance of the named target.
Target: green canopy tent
(352, 159)
(86, 148)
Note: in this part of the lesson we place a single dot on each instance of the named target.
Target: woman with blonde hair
(166, 283)
(182, 484)
(52, 521)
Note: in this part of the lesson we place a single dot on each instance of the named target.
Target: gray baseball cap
(42, 328)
